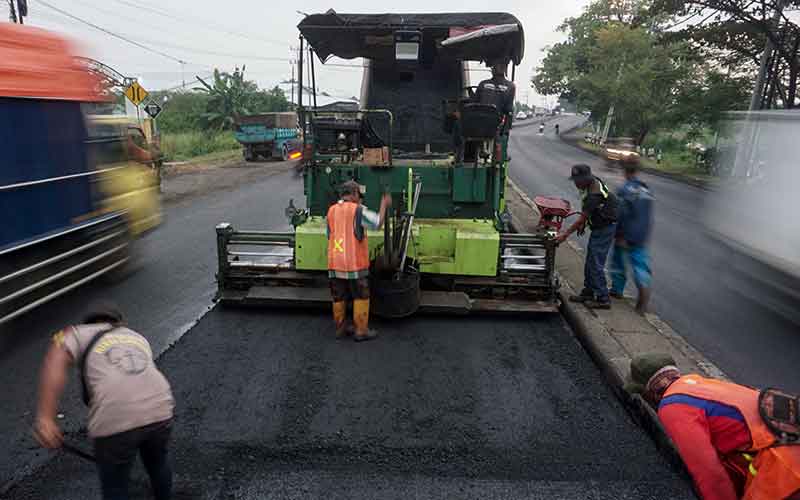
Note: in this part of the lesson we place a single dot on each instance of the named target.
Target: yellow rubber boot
(340, 318)
(361, 320)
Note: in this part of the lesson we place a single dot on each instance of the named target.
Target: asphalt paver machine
(419, 134)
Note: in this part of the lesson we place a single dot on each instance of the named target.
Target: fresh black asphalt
(271, 406)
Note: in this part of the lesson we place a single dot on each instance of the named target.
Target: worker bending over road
(130, 402)
(736, 442)
(348, 259)
(599, 213)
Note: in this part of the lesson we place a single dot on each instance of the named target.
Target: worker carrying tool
(348, 259)
(737, 442)
(130, 402)
(499, 91)
(599, 213)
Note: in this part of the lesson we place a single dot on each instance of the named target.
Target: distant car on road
(621, 150)
(522, 115)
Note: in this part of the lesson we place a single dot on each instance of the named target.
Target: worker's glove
(47, 433)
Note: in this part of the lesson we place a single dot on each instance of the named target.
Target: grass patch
(673, 163)
(676, 164)
(188, 145)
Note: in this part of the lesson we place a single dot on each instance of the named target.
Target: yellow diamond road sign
(136, 93)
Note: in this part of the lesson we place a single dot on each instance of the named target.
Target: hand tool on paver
(409, 222)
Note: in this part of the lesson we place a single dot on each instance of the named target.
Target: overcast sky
(258, 33)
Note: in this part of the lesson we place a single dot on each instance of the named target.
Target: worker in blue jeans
(635, 222)
(599, 214)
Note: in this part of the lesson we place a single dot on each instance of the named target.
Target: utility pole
(183, 75)
(610, 115)
(769, 48)
(292, 63)
(746, 158)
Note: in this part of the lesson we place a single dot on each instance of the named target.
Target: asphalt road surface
(269, 405)
(174, 285)
(699, 288)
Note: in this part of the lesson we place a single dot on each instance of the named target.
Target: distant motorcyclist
(498, 91)
(541, 128)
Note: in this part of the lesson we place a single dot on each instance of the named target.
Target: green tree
(181, 111)
(731, 35)
(269, 101)
(620, 54)
(639, 77)
(229, 96)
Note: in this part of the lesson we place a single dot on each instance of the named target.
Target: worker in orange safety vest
(737, 442)
(348, 259)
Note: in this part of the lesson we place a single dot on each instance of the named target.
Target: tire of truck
(247, 152)
(285, 152)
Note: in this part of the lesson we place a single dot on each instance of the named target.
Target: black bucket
(395, 298)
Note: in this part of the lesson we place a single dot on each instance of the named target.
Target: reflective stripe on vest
(744, 399)
(585, 194)
(777, 477)
(346, 253)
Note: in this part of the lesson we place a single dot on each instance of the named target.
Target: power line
(111, 33)
(222, 54)
(183, 17)
(196, 50)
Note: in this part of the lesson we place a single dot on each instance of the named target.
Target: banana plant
(229, 97)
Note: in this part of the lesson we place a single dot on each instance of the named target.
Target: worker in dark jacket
(719, 431)
(130, 402)
(500, 92)
(599, 214)
(634, 226)
(348, 258)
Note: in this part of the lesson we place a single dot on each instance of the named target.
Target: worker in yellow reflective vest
(348, 259)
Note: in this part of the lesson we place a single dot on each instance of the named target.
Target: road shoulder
(702, 183)
(615, 336)
(185, 180)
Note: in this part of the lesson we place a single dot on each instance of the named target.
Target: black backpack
(87, 398)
